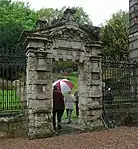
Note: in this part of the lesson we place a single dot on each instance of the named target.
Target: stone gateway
(64, 39)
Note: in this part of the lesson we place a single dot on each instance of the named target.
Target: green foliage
(57, 66)
(10, 31)
(17, 12)
(14, 18)
(82, 16)
(49, 14)
(114, 35)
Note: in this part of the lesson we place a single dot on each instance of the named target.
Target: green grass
(9, 100)
(73, 114)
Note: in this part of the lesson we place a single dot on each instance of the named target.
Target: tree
(18, 12)
(15, 17)
(50, 14)
(114, 36)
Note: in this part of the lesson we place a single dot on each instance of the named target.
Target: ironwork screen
(119, 86)
(12, 79)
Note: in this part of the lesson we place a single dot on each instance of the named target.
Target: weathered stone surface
(90, 91)
(39, 91)
(69, 41)
(36, 77)
(36, 44)
(14, 126)
(32, 61)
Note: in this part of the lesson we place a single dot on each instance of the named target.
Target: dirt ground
(119, 138)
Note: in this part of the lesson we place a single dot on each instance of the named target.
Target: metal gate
(119, 90)
(12, 79)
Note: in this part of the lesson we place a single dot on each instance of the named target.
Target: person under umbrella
(58, 107)
(63, 85)
(69, 102)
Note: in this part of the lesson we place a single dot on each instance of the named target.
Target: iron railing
(119, 87)
(12, 79)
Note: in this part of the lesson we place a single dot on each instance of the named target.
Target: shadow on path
(72, 128)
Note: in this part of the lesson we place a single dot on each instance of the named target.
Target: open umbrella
(64, 85)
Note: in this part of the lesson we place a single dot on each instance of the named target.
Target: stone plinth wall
(13, 126)
(121, 112)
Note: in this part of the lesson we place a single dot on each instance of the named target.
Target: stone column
(39, 94)
(133, 47)
(90, 93)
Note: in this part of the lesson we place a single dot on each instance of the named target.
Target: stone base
(95, 128)
(13, 126)
(41, 134)
(92, 125)
(41, 131)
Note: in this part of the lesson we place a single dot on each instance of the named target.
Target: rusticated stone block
(96, 76)
(41, 96)
(43, 68)
(41, 110)
(41, 134)
(32, 63)
(95, 51)
(32, 103)
(31, 89)
(35, 44)
(41, 82)
(43, 103)
(95, 91)
(94, 82)
(38, 77)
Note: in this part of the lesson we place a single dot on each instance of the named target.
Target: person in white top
(69, 102)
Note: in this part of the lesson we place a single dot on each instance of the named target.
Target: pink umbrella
(64, 85)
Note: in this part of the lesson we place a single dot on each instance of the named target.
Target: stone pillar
(133, 46)
(39, 94)
(90, 93)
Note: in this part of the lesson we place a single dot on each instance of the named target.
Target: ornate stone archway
(63, 40)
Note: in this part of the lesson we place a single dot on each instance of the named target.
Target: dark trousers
(57, 113)
(77, 108)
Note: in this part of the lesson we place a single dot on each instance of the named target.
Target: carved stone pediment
(67, 28)
(70, 34)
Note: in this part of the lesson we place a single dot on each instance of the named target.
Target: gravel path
(119, 138)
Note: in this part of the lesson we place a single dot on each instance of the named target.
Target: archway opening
(68, 70)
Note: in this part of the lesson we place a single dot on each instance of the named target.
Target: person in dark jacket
(58, 107)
